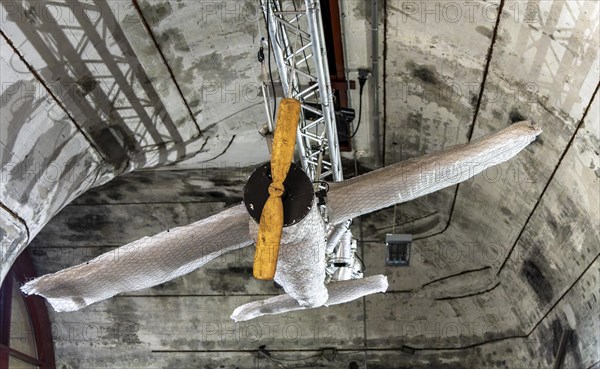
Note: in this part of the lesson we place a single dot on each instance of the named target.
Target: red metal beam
(22, 271)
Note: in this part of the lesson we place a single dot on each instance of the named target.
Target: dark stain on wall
(414, 120)
(559, 227)
(250, 11)
(240, 270)
(116, 145)
(557, 331)
(574, 350)
(240, 178)
(86, 84)
(487, 32)
(536, 279)
(474, 100)
(217, 194)
(84, 224)
(505, 211)
(425, 73)
(425, 82)
(232, 279)
(156, 13)
(143, 179)
(192, 193)
(516, 116)
(215, 67)
(170, 285)
(363, 10)
(125, 325)
(173, 36)
(423, 226)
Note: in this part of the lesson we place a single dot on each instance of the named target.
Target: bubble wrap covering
(145, 262)
(416, 177)
(301, 259)
(339, 292)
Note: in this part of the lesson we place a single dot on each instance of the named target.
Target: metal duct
(344, 254)
(335, 235)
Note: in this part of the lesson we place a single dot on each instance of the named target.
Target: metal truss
(297, 40)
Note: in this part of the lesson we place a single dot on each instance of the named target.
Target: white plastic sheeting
(145, 262)
(339, 292)
(301, 260)
(420, 176)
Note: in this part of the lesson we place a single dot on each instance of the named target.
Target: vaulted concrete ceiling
(501, 265)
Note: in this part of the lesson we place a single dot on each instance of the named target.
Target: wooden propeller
(271, 218)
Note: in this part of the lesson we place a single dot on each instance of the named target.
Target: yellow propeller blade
(271, 218)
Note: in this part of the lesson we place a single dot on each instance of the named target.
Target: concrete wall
(46, 160)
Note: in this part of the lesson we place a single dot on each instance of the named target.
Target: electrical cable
(359, 116)
(394, 221)
(364, 267)
(280, 361)
(316, 356)
(269, 61)
(362, 79)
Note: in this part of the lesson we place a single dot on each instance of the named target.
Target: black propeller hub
(297, 199)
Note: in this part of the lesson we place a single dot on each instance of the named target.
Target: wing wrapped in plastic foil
(145, 262)
(339, 293)
(420, 176)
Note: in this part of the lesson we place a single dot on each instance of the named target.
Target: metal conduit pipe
(335, 235)
(374, 139)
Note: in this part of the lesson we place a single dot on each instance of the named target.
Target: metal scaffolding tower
(297, 41)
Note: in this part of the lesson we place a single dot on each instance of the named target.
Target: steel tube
(316, 29)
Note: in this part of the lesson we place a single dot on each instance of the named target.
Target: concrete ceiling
(501, 265)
